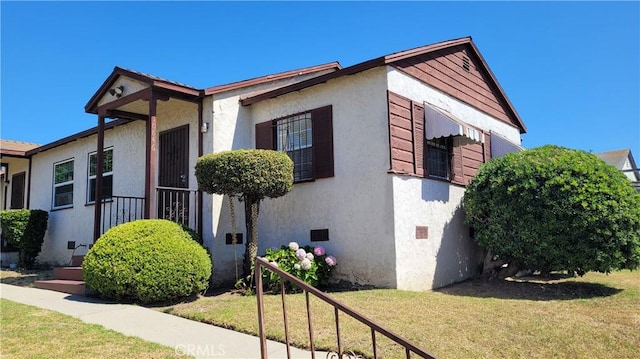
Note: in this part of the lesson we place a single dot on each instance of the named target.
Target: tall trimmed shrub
(251, 175)
(151, 260)
(25, 230)
(554, 208)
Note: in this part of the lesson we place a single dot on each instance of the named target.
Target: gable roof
(389, 60)
(12, 148)
(151, 80)
(617, 158)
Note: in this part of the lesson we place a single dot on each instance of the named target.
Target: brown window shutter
(457, 172)
(418, 138)
(322, 131)
(487, 146)
(264, 136)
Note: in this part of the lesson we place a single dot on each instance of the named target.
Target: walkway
(185, 336)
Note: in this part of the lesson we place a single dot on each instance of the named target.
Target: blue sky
(571, 69)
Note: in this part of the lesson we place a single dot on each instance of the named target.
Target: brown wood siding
(322, 132)
(468, 156)
(401, 136)
(443, 70)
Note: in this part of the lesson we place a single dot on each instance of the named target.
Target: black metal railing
(121, 209)
(178, 205)
(262, 264)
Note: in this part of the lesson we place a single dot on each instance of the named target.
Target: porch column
(200, 152)
(150, 208)
(97, 206)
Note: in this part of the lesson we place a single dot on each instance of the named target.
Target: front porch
(173, 138)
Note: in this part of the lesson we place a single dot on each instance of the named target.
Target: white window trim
(104, 174)
(55, 185)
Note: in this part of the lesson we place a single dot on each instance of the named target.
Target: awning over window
(440, 123)
(500, 145)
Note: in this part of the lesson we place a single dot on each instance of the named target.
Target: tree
(553, 208)
(251, 175)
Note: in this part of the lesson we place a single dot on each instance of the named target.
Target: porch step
(68, 273)
(62, 285)
(76, 260)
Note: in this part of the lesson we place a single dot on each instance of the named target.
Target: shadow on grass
(529, 288)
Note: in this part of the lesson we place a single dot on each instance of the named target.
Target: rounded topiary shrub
(149, 260)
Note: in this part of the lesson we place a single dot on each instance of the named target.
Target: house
(382, 149)
(14, 190)
(623, 161)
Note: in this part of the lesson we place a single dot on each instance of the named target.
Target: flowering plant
(310, 264)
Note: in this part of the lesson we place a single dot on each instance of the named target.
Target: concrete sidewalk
(185, 336)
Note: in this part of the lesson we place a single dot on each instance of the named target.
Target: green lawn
(30, 332)
(596, 316)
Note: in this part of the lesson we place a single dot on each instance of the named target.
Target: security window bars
(439, 158)
(107, 176)
(294, 136)
(63, 184)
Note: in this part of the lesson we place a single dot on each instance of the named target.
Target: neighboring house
(382, 151)
(623, 160)
(14, 187)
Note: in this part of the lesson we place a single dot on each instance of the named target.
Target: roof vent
(465, 63)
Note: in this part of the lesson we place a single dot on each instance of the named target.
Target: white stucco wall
(230, 127)
(76, 223)
(356, 204)
(448, 254)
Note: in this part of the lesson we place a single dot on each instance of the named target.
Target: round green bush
(149, 260)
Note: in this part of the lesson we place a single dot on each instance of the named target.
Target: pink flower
(301, 254)
(318, 251)
(293, 246)
(296, 266)
(331, 261)
(305, 264)
(310, 256)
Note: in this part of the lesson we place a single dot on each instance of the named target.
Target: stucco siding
(76, 223)
(356, 204)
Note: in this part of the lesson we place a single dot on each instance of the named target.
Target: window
(294, 136)
(306, 137)
(63, 184)
(439, 158)
(107, 176)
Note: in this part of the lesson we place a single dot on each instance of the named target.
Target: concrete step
(62, 285)
(68, 273)
(76, 261)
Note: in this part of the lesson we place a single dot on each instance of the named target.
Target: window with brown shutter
(306, 137)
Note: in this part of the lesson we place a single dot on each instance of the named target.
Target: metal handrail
(178, 205)
(261, 263)
(127, 209)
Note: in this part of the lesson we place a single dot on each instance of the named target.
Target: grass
(30, 332)
(596, 316)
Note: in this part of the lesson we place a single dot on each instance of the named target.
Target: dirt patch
(554, 287)
(24, 278)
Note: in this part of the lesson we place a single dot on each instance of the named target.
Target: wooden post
(97, 206)
(150, 209)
